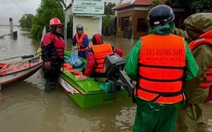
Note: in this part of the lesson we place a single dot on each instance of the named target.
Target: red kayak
(18, 68)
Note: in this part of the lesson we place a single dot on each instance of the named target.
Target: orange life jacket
(162, 61)
(208, 79)
(80, 42)
(100, 52)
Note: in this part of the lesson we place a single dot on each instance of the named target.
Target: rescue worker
(96, 57)
(52, 47)
(199, 28)
(80, 41)
(160, 62)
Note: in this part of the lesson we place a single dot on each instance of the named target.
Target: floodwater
(25, 107)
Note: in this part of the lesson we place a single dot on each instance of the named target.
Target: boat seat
(2, 67)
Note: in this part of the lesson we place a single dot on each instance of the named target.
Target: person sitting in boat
(52, 47)
(96, 57)
(80, 41)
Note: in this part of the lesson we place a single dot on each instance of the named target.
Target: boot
(50, 86)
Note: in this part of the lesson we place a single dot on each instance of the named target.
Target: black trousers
(53, 73)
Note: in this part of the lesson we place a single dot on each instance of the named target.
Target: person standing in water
(52, 47)
(198, 26)
(160, 62)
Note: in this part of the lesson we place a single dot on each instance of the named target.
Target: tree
(109, 19)
(108, 8)
(192, 6)
(26, 21)
(47, 10)
(154, 3)
(108, 25)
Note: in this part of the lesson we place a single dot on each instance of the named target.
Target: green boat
(92, 91)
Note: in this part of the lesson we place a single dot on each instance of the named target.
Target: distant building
(131, 18)
(89, 14)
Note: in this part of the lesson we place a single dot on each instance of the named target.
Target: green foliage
(26, 21)
(154, 3)
(192, 6)
(47, 10)
(108, 21)
(201, 4)
(108, 8)
(108, 25)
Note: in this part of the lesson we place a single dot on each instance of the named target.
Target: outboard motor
(114, 65)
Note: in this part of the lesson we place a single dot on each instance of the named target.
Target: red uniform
(96, 57)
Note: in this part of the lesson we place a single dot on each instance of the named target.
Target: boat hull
(87, 100)
(20, 74)
(91, 100)
(78, 91)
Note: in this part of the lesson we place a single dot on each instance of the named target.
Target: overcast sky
(16, 8)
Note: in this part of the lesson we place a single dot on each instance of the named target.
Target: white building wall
(92, 25)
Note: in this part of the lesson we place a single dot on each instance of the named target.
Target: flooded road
(25, 107)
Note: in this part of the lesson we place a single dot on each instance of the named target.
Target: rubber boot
(47, 88)
(50, 86)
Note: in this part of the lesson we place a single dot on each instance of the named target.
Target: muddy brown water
(25, 107)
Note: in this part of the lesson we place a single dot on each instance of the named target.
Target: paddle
(43, 34)
(23, 57)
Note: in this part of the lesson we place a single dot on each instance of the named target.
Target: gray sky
(16, 8)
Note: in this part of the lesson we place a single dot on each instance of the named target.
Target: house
(131, 18)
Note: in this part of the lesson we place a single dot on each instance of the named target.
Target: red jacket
(91, 61)
(53, 47)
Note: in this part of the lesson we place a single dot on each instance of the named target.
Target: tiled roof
(135, 3)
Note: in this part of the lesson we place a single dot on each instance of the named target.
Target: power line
(18, 6)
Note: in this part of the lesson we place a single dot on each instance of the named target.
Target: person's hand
(47, 65)
(81, 77)
(62, 67)
(76, 47)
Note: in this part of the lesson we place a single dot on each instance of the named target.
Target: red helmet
(97, 39)
(55, 22)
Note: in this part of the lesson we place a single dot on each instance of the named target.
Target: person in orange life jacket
(198, 26)
(96, 57)
(160, 62)
(80, 42)
(52, 47)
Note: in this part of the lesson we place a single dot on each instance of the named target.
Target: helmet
(160, 15)
(79, 27)
(97, 39)
(55, 22)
